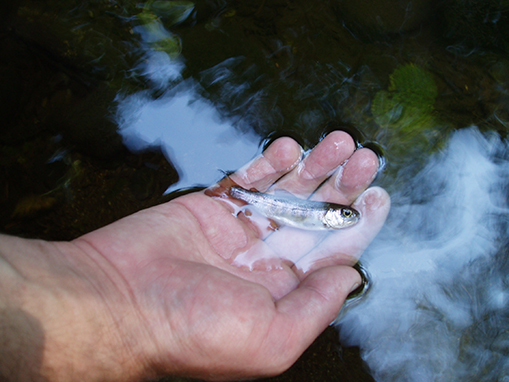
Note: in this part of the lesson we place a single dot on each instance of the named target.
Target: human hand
(188, 288)
(296, 251)
(239, 301)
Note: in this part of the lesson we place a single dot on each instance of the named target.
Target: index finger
(281, 157)
(318, 165)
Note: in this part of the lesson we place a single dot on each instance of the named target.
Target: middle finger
(318, 165)
(351, 179)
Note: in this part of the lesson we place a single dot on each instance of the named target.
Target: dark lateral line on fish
(223, 190)
(306, 203)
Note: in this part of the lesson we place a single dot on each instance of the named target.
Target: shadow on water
(108, 106)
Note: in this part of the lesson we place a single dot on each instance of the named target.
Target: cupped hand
(212, 294)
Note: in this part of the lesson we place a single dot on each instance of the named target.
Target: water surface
(196, 88)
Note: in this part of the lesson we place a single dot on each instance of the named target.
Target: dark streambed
(80, 78)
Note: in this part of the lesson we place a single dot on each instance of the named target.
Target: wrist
(59, 315)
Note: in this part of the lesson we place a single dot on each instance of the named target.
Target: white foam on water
(438, 307)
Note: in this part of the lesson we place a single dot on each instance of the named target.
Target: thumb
(305, 312)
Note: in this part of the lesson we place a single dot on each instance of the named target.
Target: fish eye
(346, 212)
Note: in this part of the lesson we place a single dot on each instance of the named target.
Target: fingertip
(341, 139)
(373, 199)
(279, 158)
(330, 153)
(283, 154)
(369, 160)
(359, 172)
(336, 281)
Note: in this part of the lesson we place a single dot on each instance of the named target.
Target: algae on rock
(408, 104)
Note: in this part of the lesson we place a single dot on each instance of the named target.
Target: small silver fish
(300, 213)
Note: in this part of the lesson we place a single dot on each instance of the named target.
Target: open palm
(215, 295)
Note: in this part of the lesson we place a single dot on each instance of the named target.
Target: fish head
(341, 217)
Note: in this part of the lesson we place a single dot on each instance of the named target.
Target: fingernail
(354, 287)
(359, 290)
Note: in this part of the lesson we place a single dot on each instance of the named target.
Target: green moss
(414, 85)
(408, 104)
(172, 12)
(156, 16)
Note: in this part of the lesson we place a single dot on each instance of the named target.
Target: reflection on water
(187, 127)
(438, 306)
(189, 131)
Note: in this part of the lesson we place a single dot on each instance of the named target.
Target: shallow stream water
(193, 89)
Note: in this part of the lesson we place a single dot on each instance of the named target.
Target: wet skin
(189, 288)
